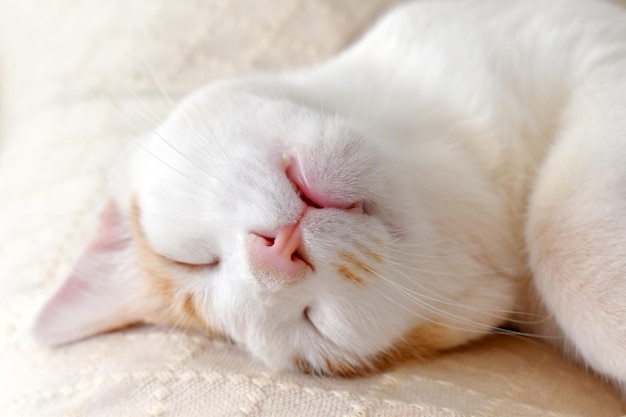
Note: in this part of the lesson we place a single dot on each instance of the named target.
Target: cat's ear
(100, 293)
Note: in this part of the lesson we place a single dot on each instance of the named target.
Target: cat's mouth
(301, 254)
(311, 192)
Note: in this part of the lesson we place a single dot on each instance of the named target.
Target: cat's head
(282, 228)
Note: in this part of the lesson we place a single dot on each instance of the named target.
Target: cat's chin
(314, 341)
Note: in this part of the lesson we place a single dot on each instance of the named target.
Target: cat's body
(459, 167)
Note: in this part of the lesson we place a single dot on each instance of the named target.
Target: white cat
(460, 167)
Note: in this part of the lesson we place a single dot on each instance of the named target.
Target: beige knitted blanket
(75, 82)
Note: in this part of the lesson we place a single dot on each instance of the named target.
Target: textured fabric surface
(78, 79)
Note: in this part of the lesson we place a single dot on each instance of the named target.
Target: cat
(459, 168)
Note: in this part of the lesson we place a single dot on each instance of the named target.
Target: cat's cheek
(171, 302)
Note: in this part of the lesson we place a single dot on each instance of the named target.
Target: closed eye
(200, 265)
(306, 314)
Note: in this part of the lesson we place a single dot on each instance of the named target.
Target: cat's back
(494, 22)
(478, 61)
(496, 76)
(459, 48)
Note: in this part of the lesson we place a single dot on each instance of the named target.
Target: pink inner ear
(97, 292)
(110, 239)
(70, 290)
(111, 232)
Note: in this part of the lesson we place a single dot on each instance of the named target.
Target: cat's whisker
(116, 99)
(190, 191)
(130, 126)
(151, 118)
(440, 299)
(466, 238)
(190, 124)
(185, 157)
(149, 115)
(407, 229)
(155, 79)
(168, 99)
(479, 328)
(518, 269)
(402, 254)
(137, 142)
(438, 311)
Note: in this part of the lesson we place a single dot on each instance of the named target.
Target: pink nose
(277, 259)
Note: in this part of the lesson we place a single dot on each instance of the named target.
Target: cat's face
(289, 232)
(284, 215)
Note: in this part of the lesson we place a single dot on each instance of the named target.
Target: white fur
(487, 141)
